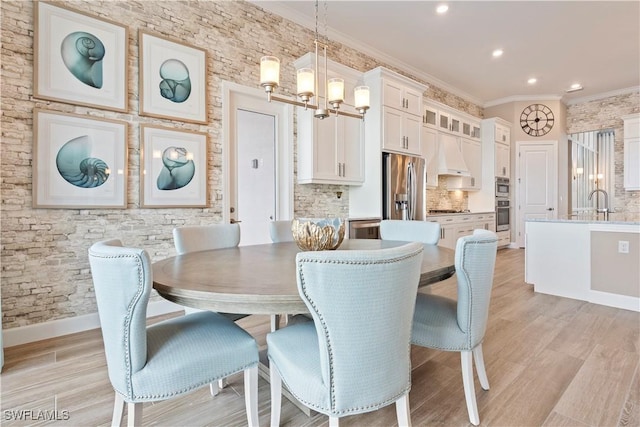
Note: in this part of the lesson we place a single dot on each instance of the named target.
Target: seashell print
(77, 167)
(82, 54)
(175, 84)
(178, 170)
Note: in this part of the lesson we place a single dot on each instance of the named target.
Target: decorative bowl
(318, 234)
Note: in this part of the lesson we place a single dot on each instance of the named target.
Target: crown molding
(603, 95)
(524, 98)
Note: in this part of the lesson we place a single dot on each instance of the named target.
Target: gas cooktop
(434, 211)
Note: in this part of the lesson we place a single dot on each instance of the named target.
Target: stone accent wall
(607, 113)
(45, 271)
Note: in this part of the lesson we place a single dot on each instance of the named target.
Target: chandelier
(307, 84)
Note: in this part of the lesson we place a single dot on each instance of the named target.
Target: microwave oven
(502, 187)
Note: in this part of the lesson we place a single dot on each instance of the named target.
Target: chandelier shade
(307, 85)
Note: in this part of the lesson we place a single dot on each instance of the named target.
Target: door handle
(233, 221)
(549, 209)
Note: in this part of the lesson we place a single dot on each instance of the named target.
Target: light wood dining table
(261, 279)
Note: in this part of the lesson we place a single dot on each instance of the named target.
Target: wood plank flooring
(550, 361)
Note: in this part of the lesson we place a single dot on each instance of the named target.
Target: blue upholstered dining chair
(355, 355)
(194, 238)
(280, 231)
(167, 359)
(410, 231)
(445, 324)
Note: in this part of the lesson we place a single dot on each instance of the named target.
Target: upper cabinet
(401, 97)
(496, 137)
(503, 133)
(632, 152)
(400, 110)
(331, 150)
(441, 117)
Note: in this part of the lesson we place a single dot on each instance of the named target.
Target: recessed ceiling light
(442, 8)
(532, 80)
(497, 53)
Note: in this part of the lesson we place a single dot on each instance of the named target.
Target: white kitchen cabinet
(454, 226)
(449, 121)
(502, 133)
(472, 154)
(401, 131)
(330, 151)
(401, 97)
(430, 117)
(632, 152)
(502, 160)
(429, 148)
(471, 129)
(401, 116)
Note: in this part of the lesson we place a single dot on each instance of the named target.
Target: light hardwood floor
(550, 361)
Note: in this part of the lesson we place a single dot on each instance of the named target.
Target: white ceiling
(595, 43)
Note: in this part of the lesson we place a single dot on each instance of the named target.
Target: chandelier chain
(326, 36)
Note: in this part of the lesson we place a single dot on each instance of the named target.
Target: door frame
(520, 234)
(284, 147)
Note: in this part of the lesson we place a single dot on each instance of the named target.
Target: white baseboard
(615, 300)
(72, 325)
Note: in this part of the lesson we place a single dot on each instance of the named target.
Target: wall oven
(502, 214)
(502, 187)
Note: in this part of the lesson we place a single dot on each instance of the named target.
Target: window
(592, 168)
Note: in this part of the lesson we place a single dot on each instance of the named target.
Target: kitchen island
(586, 259)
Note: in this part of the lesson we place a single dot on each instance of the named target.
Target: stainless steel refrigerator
(403, 180)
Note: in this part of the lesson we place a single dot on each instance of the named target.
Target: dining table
(261, 279)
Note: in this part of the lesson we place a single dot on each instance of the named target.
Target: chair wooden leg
(478, 358)
(469, 389)
(403, 412)
(334, 421)
(251, 395)
(134, 414)
(118, 411)
(276, 395)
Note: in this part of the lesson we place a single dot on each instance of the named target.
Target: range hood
(450, 160)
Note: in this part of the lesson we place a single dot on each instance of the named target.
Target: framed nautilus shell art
(79, 162)
(173, 168)
(173, 79)
(80, 59)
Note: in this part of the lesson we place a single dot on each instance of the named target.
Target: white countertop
(614, 218)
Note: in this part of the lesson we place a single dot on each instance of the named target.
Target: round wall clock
(536, 120)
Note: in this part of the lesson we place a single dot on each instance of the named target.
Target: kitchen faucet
(604, 210)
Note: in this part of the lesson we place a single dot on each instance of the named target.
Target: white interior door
(255, 173)
(257, 161)
(537, 183)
